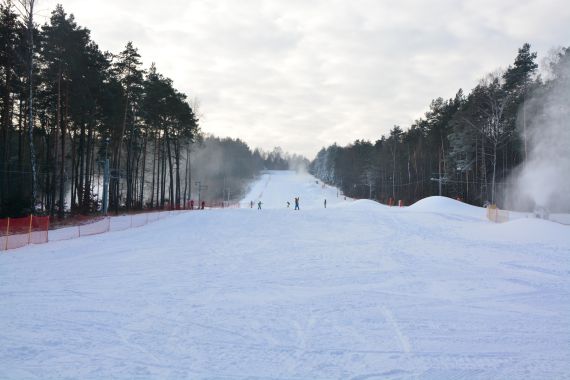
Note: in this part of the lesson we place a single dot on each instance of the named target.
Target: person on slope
(288, 204)
(251, 204)
(325, 203)
(259, 205)
(203, 205)
(192, 204)
(297, 203)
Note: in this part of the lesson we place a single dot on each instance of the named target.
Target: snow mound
(363, 204)
(446, 205)
(528, 230)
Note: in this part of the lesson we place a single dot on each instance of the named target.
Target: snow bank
(446, 205)
(528, 230)
(363, 204)
(561, 218)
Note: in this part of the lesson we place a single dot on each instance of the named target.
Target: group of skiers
(296, 200)
(202, 205)
(259, 203)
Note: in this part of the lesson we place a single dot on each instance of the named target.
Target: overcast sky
(302, 74)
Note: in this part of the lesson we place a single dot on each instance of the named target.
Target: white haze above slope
(544, 180)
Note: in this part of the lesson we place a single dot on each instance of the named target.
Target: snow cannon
(541, 212)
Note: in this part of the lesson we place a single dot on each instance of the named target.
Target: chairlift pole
(200, 188)
(440, 181)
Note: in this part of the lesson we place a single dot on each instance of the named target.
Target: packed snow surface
(354, 291)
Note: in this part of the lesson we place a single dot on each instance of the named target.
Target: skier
(288, 204)
(297, 203)
(325, 203)
(192, 204)
(259, 205)
(203, 204)
(251, 204)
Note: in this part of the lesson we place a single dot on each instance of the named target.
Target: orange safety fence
(120, 223)
(94, 228)
(139, 220)
(222, 204)
(40, 230)
(19, 232)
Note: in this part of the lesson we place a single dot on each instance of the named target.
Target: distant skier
(297, 203)
(203, 205)
(251, 204)
(192, 204)
(288, 204)
(325, 203)
(259, 205)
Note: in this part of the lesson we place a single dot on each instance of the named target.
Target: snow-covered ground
(355, 291)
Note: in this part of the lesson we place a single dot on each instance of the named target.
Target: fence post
(7, 234)
(30, 230)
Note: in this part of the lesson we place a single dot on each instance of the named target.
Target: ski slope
(276, 187)
(354, 291)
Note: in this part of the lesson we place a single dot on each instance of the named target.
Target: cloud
(304, 74)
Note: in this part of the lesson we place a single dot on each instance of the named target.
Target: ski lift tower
(441, 180)
(200, 188)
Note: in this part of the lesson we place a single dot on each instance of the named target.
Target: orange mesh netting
(18, 232)
(95, 227)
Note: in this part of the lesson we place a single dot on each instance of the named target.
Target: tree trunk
(483, 169)
(394, 173)
(187, 175)
(143, 171)
(154, 158)
(61, 127)
(81, 167)
(87, 190)
(6, 125)
(30, 23)
(177, 161)
(170, 169)
(494, 172)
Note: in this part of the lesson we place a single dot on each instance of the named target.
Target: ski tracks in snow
(402, 339)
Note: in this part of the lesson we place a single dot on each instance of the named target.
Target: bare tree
(495, 128)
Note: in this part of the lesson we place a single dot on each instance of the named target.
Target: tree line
(66, 106)
(465, 147)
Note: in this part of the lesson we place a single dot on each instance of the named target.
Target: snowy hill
(447, 206)
(358, 290)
